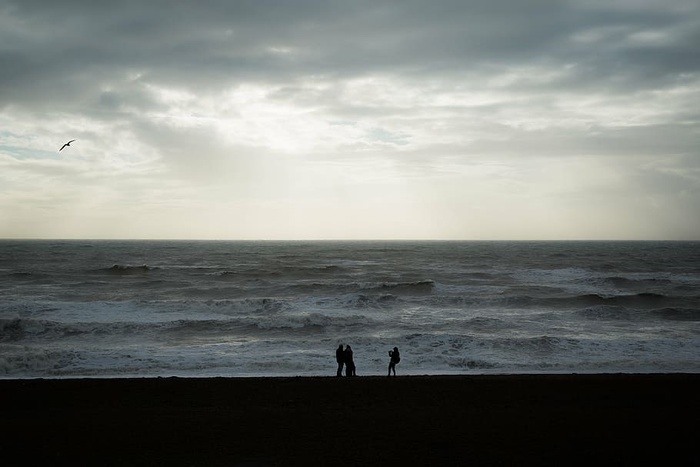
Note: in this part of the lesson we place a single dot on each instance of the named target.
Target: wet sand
(411, 420)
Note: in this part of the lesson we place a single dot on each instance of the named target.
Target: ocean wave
(624, 313)
(226, 274)
(311, 271)
(287, 272)
(41, 362)
(18, 329)
(423, 287)
(121, 269)
(640, 300)
(315, 321)
(465, 363)
(415, 287)
(11, 329)
(643, 299)
(485, 323)
(678, 314)
(255, 306)
(411, 294)
(605, 312)
(628, 282)
(247, 275)
(480, 276)
(360, 300)
(21, 274)
(249, 326)
(287, 325)
(228, 307)
(29, 277)
(538, 344)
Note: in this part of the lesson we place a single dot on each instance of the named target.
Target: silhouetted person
(394, 358)
(349, 362)
(340, 358)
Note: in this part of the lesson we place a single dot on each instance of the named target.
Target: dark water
(103, 308)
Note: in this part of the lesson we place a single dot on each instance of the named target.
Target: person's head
(347, 347)
(396, 349)
(340, 346)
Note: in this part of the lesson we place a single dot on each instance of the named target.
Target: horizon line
(329, 240)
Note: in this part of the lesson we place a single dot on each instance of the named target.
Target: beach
(601, 419)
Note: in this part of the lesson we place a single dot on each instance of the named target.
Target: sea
(106, 309)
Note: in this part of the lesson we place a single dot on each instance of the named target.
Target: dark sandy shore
(415, 420)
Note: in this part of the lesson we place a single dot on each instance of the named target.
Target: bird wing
(67, 144)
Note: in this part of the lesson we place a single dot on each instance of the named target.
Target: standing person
(349, 362)
(340, 358)
(394, 358)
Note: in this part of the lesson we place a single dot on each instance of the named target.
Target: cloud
(320, 119)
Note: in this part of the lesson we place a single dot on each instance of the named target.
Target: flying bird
(67, 144)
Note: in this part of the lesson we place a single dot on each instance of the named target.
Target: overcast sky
(481, 119)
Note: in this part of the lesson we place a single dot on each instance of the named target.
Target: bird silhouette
(67, 144)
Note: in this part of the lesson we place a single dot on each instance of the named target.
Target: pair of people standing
(344, 358)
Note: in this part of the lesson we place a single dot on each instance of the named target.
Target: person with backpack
(394, 358)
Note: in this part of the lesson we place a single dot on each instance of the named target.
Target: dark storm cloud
(55, 51)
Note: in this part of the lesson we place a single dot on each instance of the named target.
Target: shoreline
(524, 419)
(331, 375)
